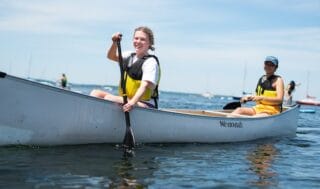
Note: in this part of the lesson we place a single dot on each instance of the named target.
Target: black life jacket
(134, 71)
(265, 88)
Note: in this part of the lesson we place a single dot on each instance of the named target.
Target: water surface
(269, 163)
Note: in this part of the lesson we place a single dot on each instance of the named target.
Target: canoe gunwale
(224, 113)
(186, 112)
(56, 89)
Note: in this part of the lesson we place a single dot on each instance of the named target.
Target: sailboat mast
(307, 92)
(29, 66)
(244, 79)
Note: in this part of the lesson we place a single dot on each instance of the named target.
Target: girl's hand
(115, 37)
(127, 107)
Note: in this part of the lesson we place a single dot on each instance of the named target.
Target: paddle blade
(232, 105)
(128, 142)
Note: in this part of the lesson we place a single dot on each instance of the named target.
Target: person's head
(143, 40)
(292, 86)
(271, 64)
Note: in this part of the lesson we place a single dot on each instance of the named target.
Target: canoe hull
(36, 114)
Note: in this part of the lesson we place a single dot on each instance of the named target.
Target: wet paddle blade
(232, 105)
(128, 143)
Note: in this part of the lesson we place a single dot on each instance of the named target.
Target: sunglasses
(269, 64)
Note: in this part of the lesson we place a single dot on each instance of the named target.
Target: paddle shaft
(128, 141)
(123, 84)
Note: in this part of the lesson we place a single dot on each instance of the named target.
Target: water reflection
(261, 160)
(134, 172)
(125, 178)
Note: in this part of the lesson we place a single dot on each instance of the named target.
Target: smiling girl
(142, 71)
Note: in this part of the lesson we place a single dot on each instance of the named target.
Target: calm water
(272, 163)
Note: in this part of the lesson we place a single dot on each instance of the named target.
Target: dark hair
(292, 87)
(149, 32)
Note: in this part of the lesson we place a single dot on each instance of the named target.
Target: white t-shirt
(150, 68)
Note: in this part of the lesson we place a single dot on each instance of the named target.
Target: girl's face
(269, 68)
(141, 43)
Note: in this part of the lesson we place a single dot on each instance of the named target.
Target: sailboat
(243, 84)
(207, 93)
(309, 100)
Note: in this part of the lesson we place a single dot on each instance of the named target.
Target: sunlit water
(273, 163)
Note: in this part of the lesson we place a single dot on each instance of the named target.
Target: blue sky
(202, 45)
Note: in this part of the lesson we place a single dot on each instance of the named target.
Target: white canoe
(35, 114)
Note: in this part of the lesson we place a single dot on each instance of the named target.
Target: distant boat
(207, 95)
(309, 100)
(107, 88)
